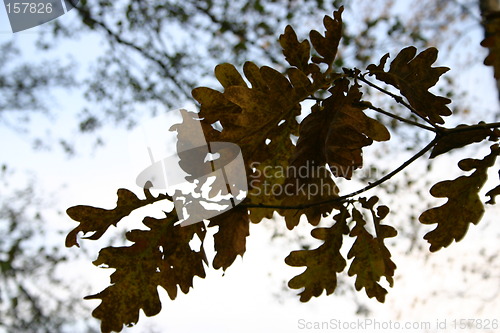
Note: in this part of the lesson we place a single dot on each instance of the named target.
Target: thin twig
(87, 17)
(404, 120)
(397, 98)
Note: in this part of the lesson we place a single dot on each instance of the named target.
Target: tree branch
(91, 21)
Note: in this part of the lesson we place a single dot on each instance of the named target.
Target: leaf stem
(404, 120)
(397, 98)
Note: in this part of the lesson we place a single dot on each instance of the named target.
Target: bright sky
(250, 297)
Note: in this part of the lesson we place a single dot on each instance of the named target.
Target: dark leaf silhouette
(322, 263)
(372, 259)
(327, 46)
(461, 139)
(160, 256)
(296, 53)
(413, 75)
(230, 240)
(98, 220)
(336, 132)
(463, 205)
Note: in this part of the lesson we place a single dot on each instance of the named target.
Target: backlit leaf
(160, 256)
(463, 205)
(259, 119)
(413, 75)
(296, 53)
(98, 220)
(460, 139)
(336, 132)
(230, 240)
(327, 46)
(322, 263)
(317, 185)
(372, 259)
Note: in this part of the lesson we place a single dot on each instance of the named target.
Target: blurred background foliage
(146, 58)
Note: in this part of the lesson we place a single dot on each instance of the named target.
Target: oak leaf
(463, 205)
(372, 259)
(260, 119)
(459, 139)
(98, 220)
(160, 256)
(336, 132)
(322, 263)
(327, 46)
(296, 53)
(318, 186)
(413, 75)
(230, 239)
(252, 116)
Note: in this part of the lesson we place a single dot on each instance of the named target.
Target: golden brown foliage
(259, 112)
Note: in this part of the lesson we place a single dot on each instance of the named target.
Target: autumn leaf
(327, 46)
(98, 220)
(252, 116)
(336, 132)
(413, 75)
(458, 139)
(160, 256)
(372, 259)
(260, 119)
(230, 239)
(299, 191)
(296, 53)
(463, 206)
(322, 263)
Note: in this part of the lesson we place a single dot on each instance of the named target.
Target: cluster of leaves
(259, 113)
